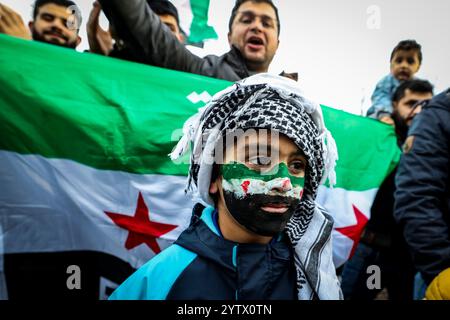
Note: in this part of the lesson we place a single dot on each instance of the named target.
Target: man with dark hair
(165, 9)
(422, 198)
(253, 37)
(54, 21)
(382, 242)
(101, 41)
(406, 59)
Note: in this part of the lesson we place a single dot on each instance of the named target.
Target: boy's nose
(404, 64)
(281, 185)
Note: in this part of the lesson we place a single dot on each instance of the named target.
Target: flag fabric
(85, 176)
(194, 20)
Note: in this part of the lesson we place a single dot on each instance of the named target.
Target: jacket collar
(237, 62)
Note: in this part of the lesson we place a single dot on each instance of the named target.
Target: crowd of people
(258, 235)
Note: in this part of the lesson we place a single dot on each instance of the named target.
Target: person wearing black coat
(422, 199)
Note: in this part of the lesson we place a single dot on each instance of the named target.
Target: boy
(406, 59)
(261, 235)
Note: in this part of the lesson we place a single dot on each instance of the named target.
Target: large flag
(85, 180)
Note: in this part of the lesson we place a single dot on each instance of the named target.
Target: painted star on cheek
(245, 185)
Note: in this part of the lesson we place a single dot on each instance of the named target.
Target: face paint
(247, 191)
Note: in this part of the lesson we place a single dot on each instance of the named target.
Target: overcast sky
(340, 48)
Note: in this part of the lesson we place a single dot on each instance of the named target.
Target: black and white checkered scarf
(271, 102)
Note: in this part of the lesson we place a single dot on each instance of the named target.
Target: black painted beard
(248, 213)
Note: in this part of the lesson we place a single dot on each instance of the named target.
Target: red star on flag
(141, 228)
(354, 231)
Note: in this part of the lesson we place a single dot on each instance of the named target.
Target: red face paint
(287, 184)
(245, 185)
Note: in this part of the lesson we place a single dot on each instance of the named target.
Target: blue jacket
(201, 264)
(423, 189)
(382, 97)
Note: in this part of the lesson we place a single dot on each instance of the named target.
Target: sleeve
(155, 279)
(134, 288)
(381, 99)
(422, 191)
(136, 24)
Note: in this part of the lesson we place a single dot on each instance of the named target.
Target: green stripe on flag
(102, 112)
(117, 115)
(367, 148)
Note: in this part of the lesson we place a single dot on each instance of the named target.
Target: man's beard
(41, 38)
(248, 213)
(401, 127)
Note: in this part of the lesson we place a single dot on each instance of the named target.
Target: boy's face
(405, 64)
(261, 181)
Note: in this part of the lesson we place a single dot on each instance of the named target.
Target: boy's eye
(297, 167)
(399, 60)
(410, 60)
(260, 161)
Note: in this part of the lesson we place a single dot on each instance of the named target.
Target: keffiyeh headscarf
(275, 103)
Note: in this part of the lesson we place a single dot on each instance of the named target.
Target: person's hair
(163, 7)
(215, 174)
(416, 85)
(63, 3)
(407, 45)
(238, 4)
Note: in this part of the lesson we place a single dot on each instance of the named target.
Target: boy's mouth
(276, 207)
(403, 75)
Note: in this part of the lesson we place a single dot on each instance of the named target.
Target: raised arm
(136, 24)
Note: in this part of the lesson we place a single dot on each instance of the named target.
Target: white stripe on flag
(339, 203)
(185, 14)
(58, 205)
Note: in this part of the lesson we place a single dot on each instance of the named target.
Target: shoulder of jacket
(154, 279)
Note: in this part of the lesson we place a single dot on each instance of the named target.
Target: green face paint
(261, 202)
(236, 170)
(241, 180)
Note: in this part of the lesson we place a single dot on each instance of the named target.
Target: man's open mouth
(255, 42)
